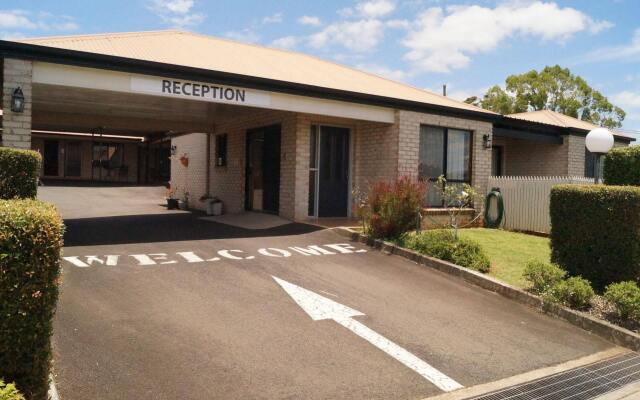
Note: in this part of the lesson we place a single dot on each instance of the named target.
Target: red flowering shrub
(394, 207)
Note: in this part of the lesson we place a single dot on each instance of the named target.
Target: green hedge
(595, 232)
(622, 166)
(19, 172)
(442, 244)
(30, 242)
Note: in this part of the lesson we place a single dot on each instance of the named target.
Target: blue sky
(469, 45)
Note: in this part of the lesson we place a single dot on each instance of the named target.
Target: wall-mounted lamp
(17, 100)
(486, 141)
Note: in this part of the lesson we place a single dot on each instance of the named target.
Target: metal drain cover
(582, 383)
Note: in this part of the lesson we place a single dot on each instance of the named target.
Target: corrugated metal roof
(215, 54)
(553, 118)
(549, 117)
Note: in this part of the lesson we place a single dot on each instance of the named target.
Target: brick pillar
(16, 127)
(301, 188)
(481, 161)
(575, 146)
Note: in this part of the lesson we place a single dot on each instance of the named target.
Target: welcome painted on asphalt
(194, 257)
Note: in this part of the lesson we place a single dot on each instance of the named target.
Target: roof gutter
(124, 64)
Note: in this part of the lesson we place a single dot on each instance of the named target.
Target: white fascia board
(115, 81)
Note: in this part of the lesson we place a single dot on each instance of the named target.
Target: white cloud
(15, 21)
(273, 19)
(369, 9)
(286, 42)
(375, 8)
(309, 20)
(177, 13)
(246, 35)
(627, 99)
(358, 36)
(443, 39)
(617, 52)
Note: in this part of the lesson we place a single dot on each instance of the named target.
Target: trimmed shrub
(394, 207)
(19, 172)
(443, 244)
(30, 241)
(595, 232)
(575, 292)
(9, 392)
(622, 166)
(542, 275)
(625, 296)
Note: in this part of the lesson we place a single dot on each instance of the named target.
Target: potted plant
(172, 202)
(214, 205)
(184, 202)
(184, 160)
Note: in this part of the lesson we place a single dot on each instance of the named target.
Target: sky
(467, 45)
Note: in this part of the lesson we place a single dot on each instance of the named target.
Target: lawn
(509, 251)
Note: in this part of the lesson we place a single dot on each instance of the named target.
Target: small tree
(454, 202)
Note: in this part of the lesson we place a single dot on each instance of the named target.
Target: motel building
(259, 128)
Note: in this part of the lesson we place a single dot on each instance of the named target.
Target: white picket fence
(526, 199)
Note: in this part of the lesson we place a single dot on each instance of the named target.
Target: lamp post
(599, 141)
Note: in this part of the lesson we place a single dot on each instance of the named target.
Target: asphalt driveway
(161, 306)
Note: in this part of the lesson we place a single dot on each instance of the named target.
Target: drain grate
(582, 383)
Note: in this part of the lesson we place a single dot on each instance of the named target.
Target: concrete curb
(615, 334)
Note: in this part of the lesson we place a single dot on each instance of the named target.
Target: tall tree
(553, 88)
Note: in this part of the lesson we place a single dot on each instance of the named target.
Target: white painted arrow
(319, 308)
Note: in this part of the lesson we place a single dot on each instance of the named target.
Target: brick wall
(409, 140)
(228, 182)
(16, 126)
(531, 158)
(191, 179)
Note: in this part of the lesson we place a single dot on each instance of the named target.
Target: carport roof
(172, 47)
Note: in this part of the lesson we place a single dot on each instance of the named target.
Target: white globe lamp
(599, 141)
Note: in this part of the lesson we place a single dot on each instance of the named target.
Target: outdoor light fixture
(17, 101)
(486, 141)
(599, 141)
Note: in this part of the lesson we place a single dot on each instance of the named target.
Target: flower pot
(183, 205)
(172, 204)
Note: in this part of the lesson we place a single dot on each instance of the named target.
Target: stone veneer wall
(16, 126)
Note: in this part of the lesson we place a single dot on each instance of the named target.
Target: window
(589, 164)
(108, 162)
(221, 150)
(108, 155)
(447, 152)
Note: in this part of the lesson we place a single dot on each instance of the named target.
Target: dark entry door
(333, 183)
(51, 157)
(263, 170)
(73, 161)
